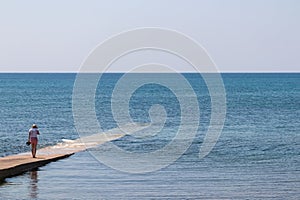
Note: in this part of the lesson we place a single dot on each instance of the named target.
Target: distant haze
(239, 35)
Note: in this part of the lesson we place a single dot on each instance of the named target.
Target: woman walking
(32, 138)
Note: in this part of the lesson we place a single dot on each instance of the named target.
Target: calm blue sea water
(256, 157)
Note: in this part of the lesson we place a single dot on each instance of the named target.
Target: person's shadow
(33, 183)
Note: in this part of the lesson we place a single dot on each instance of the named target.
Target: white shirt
(33, 132)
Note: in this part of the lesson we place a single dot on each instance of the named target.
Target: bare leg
(33, 149)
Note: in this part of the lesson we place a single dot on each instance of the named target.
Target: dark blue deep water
(256, 157)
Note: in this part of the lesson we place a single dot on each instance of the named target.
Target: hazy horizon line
(123, 72)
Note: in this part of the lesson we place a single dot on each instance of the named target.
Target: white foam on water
(72, 146)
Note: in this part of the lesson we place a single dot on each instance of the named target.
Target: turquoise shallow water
(257, 155)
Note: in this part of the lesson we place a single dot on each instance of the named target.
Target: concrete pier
(17, 164)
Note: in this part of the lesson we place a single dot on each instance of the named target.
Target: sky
(239, 35)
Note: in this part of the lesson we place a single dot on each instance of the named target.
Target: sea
(256, 155)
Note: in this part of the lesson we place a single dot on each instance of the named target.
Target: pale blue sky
(239, 35)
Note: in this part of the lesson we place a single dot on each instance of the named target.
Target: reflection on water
(2, 182)
(33, 184)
